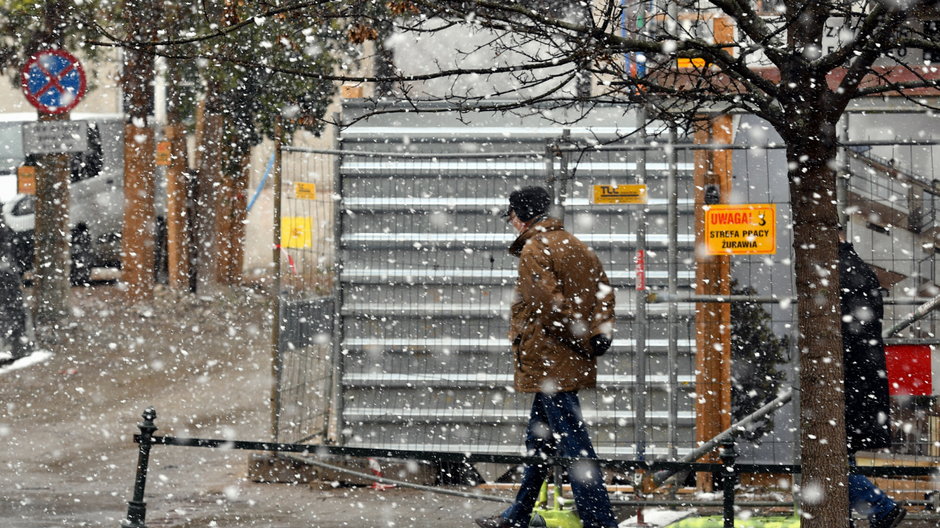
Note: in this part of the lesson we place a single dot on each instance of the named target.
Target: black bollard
(137, 508)
(729, 480)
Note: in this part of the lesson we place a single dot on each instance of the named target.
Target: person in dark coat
(866, 382)
(562, 319)
(12, 310)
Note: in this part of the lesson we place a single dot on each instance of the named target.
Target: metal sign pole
(672, 251)
(334, 420)
(53, 81)
(640, 354)
(276, 359)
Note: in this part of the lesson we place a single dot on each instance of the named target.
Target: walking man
(562, 319)
(866, 382)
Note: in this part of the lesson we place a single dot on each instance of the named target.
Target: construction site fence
(394, 288)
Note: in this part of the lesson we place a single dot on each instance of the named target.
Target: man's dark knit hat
(528, 203)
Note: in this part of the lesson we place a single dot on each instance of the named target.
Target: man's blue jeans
(865, 497)
(555, 425)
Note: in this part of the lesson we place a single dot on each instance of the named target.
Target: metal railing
(729, 469)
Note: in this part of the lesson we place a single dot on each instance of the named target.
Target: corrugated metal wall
(426, 285)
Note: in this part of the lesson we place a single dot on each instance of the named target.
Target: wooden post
(137, 235)
(176, 187)
(712, 177)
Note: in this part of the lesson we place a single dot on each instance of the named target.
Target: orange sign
(748, 229)
(163, 153)
(26, 180)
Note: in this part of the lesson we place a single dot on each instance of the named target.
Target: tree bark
(137, 82)
(822, 401)
(179, 235)
(176, 220)
(207, 191)
(231, 218)
(51, 261)
(137, 236)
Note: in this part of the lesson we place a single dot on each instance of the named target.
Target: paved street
(67, 422)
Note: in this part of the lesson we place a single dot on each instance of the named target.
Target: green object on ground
(717, 521)
(558, 515)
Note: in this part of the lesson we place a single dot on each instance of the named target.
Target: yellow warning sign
(620, 194)
(693, 62)
(748, 229)
(296, 232)
(26, 179)
(305, 191)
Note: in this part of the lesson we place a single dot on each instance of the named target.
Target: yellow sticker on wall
(305, 191)
(620, 194)
(749, 229)
(296, 232)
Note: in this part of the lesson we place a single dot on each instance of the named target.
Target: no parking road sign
(53, 81)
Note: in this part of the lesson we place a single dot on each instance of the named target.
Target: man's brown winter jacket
(563, 299)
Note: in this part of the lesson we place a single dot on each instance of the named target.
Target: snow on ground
(38, 356)
(658, 517)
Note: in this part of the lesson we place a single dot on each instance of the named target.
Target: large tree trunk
(209, 180)
(822, 402)
(51, 230)
(137, 237)
(51, 261)
(179, 235)
(232, 215)
(177, 183)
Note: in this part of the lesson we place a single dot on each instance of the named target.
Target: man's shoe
(496, 521)
(892, 519)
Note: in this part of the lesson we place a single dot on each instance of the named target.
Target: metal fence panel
(304, 289)
(419, 355)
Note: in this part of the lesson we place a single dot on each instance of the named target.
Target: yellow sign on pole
(26, 179)
(296, 232)
(305, 191)
(748, 229)
(620, 194)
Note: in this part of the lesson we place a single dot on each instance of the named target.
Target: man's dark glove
(600, 344)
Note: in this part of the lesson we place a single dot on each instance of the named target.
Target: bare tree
(706, 58)
(683, 61)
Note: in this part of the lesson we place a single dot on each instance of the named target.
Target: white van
(96, 206)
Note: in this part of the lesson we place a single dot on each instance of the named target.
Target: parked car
(96, 203)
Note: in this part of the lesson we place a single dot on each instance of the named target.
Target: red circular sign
(53, 81)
